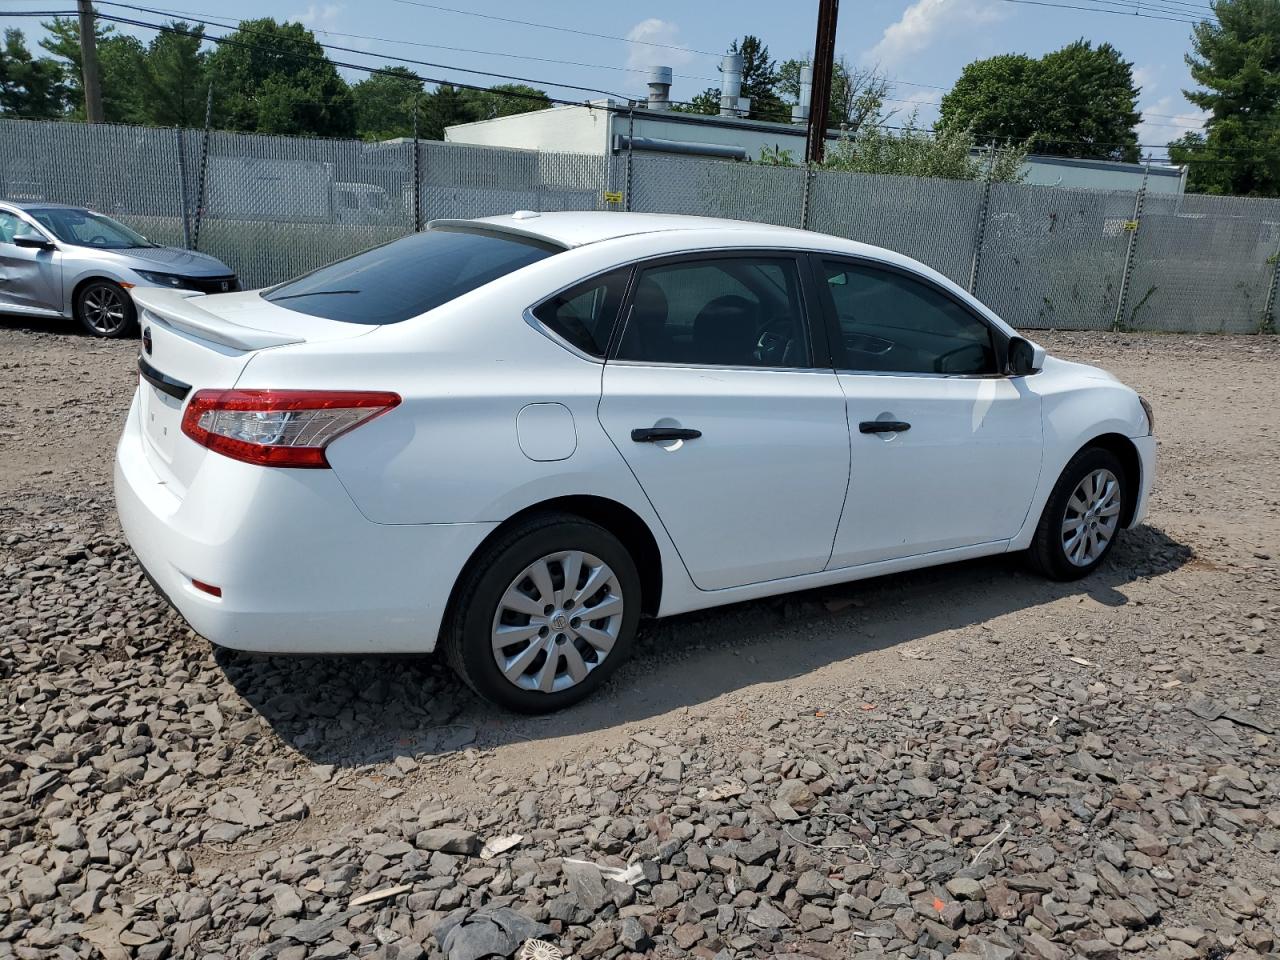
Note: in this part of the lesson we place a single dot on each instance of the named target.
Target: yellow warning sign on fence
(613, 196)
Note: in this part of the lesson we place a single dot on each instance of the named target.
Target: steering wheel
(771, 347)
(98, 240)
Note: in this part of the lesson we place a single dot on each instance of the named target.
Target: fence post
(182, 189)
(1133, 226)
(204, 168)
(980, 228)
(809, 174)
(1268, 324)
(631, 131)
(417, 171)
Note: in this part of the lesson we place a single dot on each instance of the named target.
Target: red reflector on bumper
(208, 588)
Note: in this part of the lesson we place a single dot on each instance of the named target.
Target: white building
(609, 127)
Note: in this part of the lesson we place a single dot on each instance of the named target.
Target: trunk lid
(192, 343)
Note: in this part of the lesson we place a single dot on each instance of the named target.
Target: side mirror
(1024, 357)
(33, 241)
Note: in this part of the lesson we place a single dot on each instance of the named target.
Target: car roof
(576, 229)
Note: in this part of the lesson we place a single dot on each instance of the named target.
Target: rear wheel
(105, 309)
(544, 614)
(1081, 521)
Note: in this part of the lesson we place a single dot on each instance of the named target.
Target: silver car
(61, 261)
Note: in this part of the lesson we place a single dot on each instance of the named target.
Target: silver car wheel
(105, 310)
(1092, 516)
(557, 621)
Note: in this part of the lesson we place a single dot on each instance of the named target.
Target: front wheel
(1081, 521)
(104, 309)
(544, 614)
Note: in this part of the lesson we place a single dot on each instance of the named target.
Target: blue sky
(919, 46)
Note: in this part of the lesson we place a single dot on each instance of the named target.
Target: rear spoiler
(181, 309)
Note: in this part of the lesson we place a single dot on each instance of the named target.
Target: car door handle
(883, 426)
(663, 434)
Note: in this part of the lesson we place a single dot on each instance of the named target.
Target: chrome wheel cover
(1091, 518)
(557, 621)
(104, 310)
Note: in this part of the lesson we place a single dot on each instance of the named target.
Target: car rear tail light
(279, 428)
(208, 588)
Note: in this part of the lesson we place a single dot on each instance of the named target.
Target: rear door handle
(883, 426)
(663, 434)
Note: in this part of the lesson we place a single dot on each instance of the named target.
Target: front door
(738, 440)
(945, 451)
(30, 279)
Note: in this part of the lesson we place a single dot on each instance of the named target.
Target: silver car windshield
(87, 229)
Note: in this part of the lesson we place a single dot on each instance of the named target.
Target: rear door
(945, 449)
(713, 398)
(30, 279)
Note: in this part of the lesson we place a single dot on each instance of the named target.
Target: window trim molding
(811, 322)
(999, 339)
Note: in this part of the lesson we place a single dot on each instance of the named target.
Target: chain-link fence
(275, 207)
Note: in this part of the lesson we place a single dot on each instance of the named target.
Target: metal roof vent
(800, 112)
(659, 88)
(731, 85)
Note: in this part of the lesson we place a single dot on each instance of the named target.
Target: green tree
(275, 78)
(949, 153)
(441, 108)
(29, 87)
(174, 77)
(497, 102)
(857, 96)
(1079, 101)
(385, 103)
(1237, 65)
(120, 67)
(759, 82)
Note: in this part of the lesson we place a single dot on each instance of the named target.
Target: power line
(1072, 6)
(548, 26)
(211, 19)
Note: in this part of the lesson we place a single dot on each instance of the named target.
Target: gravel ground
(965, 762)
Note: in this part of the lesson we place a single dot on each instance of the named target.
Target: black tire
(1048, 554)
(467, 636)
(105, 309)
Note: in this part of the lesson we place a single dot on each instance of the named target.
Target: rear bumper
(301, 570)
(1146, 447)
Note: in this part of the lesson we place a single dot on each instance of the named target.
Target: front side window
(11, 226)
(87, 229)
(409, 276)
(584, 315)
(892, 323)
(734, 312)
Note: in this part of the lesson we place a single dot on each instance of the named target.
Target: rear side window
(409, 276)
(738, 312)
(584, 315)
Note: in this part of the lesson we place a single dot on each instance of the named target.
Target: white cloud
(925, 21)
(654, 31)
(1145, 77)
(1168, 119)
(320, 16)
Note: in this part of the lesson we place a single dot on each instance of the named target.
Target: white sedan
(513, 437)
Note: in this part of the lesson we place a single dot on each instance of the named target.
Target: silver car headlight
(162, 279)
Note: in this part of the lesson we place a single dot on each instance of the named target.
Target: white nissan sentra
(513, 437)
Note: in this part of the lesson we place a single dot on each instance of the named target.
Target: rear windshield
(409, 276)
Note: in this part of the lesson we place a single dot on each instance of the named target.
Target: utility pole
(89, 64)
(824, 55)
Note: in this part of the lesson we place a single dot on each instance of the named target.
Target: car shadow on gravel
(354, 711)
